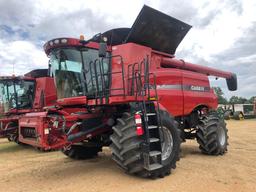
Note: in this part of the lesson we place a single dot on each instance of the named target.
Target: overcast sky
(223, 34)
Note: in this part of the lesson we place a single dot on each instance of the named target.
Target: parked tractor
(238, 111)
(125, 89)
(21, 96)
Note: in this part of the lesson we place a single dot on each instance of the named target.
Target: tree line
(233, 99)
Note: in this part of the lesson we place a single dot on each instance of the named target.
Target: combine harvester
(22, 96)
(125, 89)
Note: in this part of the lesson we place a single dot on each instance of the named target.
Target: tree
(220, 95)
(252, 99)
(237, 100)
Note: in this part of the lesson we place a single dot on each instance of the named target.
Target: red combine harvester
(125, 89)
(21, 96)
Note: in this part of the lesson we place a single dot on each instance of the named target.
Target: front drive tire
(212, 135)
(127, 151)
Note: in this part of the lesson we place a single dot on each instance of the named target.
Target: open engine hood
(151, 28)
(157, 30)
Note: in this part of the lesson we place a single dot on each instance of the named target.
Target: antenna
(13, 69)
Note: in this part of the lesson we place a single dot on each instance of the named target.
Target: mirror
(102, 49)
(232, 82)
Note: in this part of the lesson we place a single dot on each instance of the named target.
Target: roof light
(56, 41)
(63, 40)
(105, 39)
(51, 43)
(81, 37)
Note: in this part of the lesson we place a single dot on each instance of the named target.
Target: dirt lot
(26, 169)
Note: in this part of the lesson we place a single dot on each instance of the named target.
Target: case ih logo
(196, 88)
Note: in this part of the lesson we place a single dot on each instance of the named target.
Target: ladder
(141, 87)
(152, 154)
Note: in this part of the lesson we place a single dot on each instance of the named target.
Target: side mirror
(102, 49)
(49, 68)
(232, 82)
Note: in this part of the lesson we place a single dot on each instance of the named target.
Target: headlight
(63, 40)
(56, 41)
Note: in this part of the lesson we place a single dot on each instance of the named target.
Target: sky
(223, 33)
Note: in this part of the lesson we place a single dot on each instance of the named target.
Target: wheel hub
(167, 144)
(221, 136)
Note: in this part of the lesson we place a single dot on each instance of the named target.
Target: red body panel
(45, 93)
(177, 88)
(131, 53)
(169, 90)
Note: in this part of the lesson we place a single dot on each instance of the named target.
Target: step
(153, 140)
(151, 114)
(152, 127)
(154, 153)
(154, 166)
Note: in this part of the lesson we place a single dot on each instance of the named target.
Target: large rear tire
(81, 152)
(127, 150)
(212, 135)
(227, 115)
(238, 115)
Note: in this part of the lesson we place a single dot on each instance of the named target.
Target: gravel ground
(22, 168)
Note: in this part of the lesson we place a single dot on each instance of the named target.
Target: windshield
(74, 72)
(16, 94)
